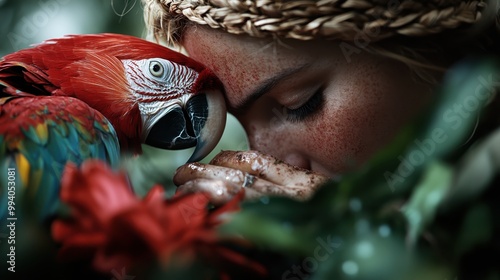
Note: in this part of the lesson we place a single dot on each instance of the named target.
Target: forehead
(240, 61)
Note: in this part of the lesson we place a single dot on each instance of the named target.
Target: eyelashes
(308, 109)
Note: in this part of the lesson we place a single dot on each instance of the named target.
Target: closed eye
(308, 109)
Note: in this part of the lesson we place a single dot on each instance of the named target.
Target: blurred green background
(28, 22)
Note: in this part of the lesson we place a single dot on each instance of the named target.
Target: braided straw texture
(305, 19)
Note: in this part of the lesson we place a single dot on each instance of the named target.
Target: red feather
(18, 114)
(88, 67)
(55, 53)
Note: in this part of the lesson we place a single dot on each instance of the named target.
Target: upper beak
(200, 122)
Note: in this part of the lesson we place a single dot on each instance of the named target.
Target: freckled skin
(367, 100)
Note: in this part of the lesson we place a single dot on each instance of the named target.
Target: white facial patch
(158, 85)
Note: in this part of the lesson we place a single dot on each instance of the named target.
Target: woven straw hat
(306, 19)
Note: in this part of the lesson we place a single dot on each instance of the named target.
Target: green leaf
(467, 88)
(446, 126)
(269, 232)
(478, 167)
(428, 194)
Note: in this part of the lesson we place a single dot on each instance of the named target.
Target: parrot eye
(156, 68)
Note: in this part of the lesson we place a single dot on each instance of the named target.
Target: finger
(259, 187)
(269, 168)
(219, 192)
(194, 170)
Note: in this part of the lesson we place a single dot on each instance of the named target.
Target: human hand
(259, 174)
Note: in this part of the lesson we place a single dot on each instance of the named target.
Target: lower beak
(200, 123)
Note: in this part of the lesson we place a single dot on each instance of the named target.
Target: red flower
(115, 229)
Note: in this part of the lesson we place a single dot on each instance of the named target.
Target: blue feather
(44, 152)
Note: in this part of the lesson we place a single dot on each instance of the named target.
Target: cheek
(331, 141)
(345, 137)
(351, 128)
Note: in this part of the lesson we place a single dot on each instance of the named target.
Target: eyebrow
(268, 85)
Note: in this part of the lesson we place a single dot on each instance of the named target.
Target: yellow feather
(30, 179)
(42, 132)
(23, 168)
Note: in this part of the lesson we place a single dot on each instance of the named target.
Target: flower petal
(96, 190)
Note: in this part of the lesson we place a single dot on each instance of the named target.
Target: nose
(279, 143)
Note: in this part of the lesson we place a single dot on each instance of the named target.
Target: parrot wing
(38, 136)
(22, 79)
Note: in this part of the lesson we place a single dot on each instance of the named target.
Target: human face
(306, 102)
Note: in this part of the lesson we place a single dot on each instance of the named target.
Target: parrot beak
(200, 122)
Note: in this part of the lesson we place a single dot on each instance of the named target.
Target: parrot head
(150, 93)
(180, 103)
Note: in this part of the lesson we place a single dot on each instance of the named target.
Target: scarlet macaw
(97, 96)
